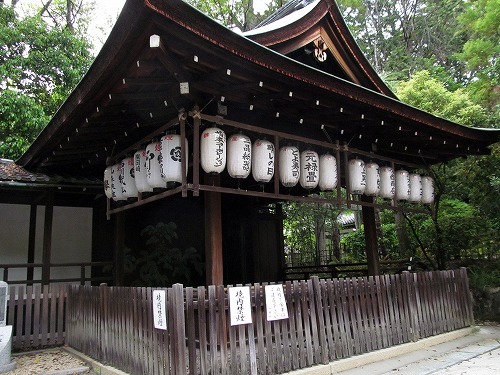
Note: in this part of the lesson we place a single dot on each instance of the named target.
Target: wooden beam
(213, 236)
(47, 237)
(370, 237)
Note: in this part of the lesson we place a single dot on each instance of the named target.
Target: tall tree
(39, 66)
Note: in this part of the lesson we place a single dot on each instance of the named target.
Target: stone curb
(71, 371)
(382, 354)
(95, 366)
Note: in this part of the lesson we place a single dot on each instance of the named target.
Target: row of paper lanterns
(159, 165)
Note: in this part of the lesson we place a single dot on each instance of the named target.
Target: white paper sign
(239, 305)
(276, 308)
(159, 310)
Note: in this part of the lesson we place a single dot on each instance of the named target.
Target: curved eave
(189, 18)
(176, 19)
(325, 17)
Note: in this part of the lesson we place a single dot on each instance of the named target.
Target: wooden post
(213, 236)
(31, 244)
(370, 237)
(47, 237)
(119, 247)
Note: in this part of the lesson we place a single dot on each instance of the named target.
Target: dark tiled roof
(10, 171)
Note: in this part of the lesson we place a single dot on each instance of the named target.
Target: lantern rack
(212, 184)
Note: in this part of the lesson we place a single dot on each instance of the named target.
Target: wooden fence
(37, 315)
(328, 320)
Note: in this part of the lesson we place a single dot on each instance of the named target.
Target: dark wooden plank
(393, 310)
(19, 318)
(328, 328)
(45, 316)
(268, 332)
(372, 292)
(222, 326)
(366, 333)
(202, 324)
(292, 326)
(259, 328)
(384, 316)
(233, 347)
(468, 296)
(403, 317)
(212, 329)
(61, 303)
(304, 299)
(336, 349)
(344, 321)
(318, 320)
(252, 349)
(353, 307)
(29, 310)
(399, 319)
(297, 299)
(427, 304)
(405, 300)
(190, 330)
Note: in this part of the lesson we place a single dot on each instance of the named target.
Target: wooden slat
(318, 320)
(259, 328)
(297, 299)
(19, 317)
(294, 342)
(212, 324)
(202, 327)
(304, 299)
(28, 317)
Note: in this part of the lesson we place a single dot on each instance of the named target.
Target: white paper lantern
(327, 172)
(170, 161)
(402, 185)
(128, 181)
(153, 167)
(141, 176)
(372, 179)
(239, 156)
(357, 176)
(387, 183)
(107, 183)
(116, 184)
(289, 161)
(427, 190)
(213, 150)
(262, 160)
(309, 169)
(415, 188)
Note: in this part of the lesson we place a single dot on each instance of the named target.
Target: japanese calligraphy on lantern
(159, 310)
(239, 305)
(275, 303)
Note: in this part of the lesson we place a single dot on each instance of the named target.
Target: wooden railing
(81, 266)
(328, 319)
(335, 270)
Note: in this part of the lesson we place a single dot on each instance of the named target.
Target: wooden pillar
(213, 236)
(47, 237)
(119, 247)
(31, 243)
(370, 237)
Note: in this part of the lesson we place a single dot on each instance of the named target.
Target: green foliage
(427, 93)
(161, 263)
(39, 66)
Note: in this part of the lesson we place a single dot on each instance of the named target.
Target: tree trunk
(404, 251)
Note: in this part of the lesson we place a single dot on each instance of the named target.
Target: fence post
(179, 333)
(413, 318)
(468, 296)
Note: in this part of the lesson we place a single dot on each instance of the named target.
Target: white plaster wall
(71, 238)
(14, 236)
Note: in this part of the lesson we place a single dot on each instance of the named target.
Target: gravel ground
(48, 362)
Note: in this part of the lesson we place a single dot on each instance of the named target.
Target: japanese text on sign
(159, 310)
(239, 305)
(276, 308)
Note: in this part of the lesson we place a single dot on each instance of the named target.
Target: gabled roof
(300, 23)
(132, 94)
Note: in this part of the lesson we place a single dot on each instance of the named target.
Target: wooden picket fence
(328, 320)
(37, 314)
